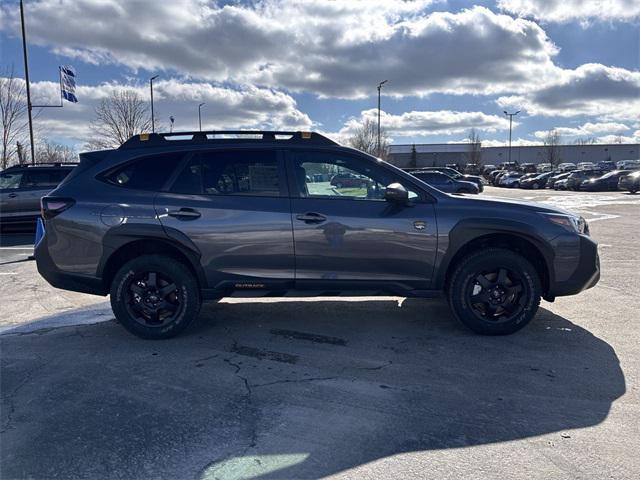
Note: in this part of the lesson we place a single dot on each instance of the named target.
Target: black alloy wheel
(152, 299)
(155, 296)
(496, 295)
(494, 291)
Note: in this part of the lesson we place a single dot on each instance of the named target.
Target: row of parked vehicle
(604, 176)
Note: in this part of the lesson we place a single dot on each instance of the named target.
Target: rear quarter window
(147, 173)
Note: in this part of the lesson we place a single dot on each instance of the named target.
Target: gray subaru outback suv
(169, 220)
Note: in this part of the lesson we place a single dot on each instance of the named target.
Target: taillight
(52, 206)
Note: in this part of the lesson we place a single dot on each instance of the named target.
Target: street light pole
(28, 85)
(379, 88)
(510, 115)
(153, 121)
(200, 116)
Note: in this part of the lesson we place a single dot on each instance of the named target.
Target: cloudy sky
(573, 65)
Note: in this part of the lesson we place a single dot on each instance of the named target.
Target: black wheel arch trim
(120, 236)
(467, 231)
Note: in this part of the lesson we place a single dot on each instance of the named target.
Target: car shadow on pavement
(291, 389)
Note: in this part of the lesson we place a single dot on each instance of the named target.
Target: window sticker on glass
(263, 178)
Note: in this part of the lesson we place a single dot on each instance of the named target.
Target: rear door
(350, 237)
(233, 205)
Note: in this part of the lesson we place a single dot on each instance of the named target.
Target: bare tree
(551, 143)
(585, 141)
(365, 138)
(475, 152)
(13, 109)
(48, 151)
(120, 116)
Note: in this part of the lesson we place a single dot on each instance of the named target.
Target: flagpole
(26, 79)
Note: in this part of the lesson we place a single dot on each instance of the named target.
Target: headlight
(573, 223)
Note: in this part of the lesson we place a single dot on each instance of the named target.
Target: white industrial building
(440, 154)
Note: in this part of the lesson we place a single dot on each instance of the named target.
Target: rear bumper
(585, 274)
(65, 280)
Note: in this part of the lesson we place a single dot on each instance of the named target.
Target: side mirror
(395, 192)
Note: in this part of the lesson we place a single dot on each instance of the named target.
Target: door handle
(184, 214)
(12, 195)
(311, 217)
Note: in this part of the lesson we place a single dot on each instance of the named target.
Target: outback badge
(419, 225)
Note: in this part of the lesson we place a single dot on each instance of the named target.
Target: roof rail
(41, 164)
(225, 136)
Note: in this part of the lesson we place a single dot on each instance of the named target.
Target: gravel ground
(344, 388)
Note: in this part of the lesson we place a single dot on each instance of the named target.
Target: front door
(233, 205)
(350, 233)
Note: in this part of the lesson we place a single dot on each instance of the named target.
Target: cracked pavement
(343, 387)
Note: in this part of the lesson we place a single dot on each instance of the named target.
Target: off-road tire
(186, 293)
(464, 276)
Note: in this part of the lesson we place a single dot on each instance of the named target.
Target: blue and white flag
(68, 83)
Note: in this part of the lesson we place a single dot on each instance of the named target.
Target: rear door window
(10, 180)
(147, 173)
(231, 172)
(39, 179)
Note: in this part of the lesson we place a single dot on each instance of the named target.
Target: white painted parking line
(17, 248)
(8, 273)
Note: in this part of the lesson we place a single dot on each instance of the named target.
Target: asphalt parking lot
(347, 387)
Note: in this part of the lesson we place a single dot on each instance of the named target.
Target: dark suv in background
(21, 188)
(169, 220)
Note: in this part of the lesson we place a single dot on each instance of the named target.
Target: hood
(491, 202)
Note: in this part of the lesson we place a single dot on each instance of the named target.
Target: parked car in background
(444, 182)
(21, 188)
(606, 165)
(508, 166)
(566, 167)
(585, 166)
(561, 184)
(488, 169)
(472, 169)
(578, 176)
(536, 182)
(456, 175)
(510, 180)
(607, 182)
(628, 165)
(555, 178)
(163, 224)
(544, 167)
(454, 166)
(348, 180)
(630, 182)
(496, 178)
(528, 168)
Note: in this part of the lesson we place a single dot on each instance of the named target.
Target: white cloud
(428, 123)
(608, 93)
(244, 107)
(568, 10)
(588, 130)
(634, 138)
(516, 142)
(330, 48)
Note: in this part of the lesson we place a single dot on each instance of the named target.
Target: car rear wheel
(535, 186)
(494, 291)
(155, 297)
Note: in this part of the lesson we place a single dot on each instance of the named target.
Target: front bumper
(575, 273)
(65, 280)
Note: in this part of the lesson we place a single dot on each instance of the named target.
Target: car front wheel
(494, 291)
(155, 296)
